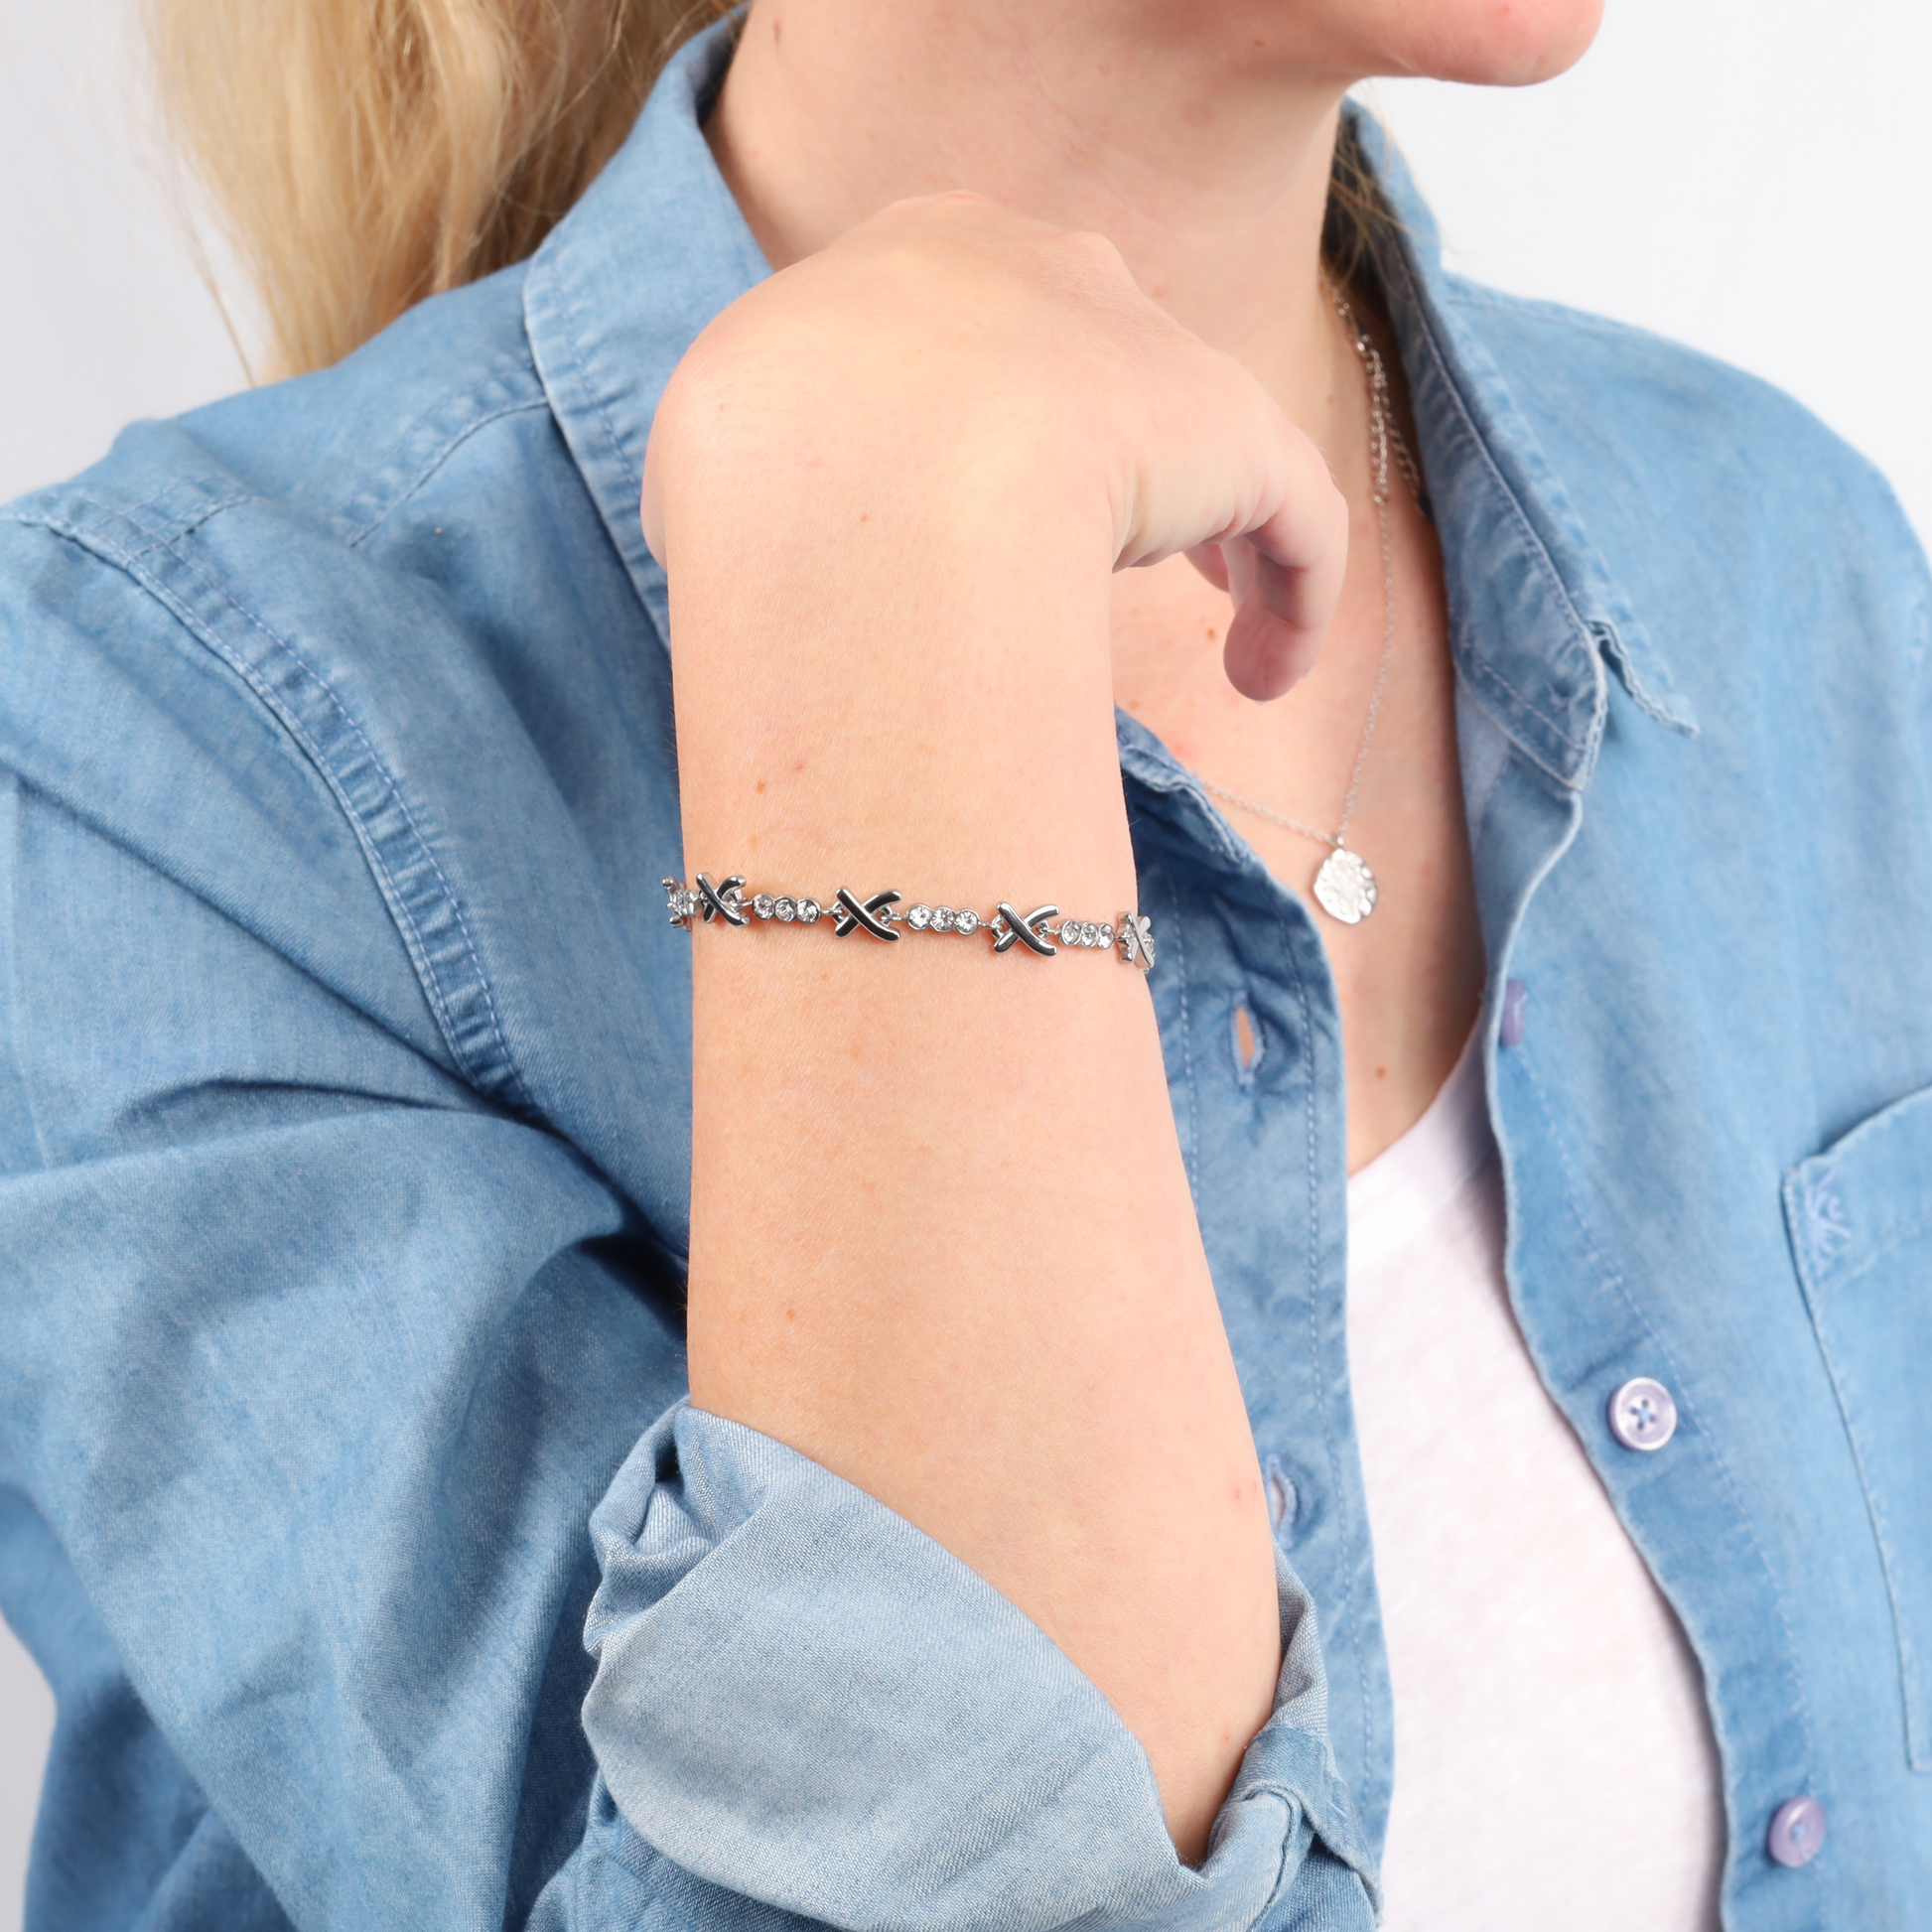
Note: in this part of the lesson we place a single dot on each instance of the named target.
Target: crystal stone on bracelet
(920, 918)
(785, 908)
(809, 911)
(942, 918)
(1106, 935)
(966, 921)
(763, 904)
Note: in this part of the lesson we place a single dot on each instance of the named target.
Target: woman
(1009, 1562)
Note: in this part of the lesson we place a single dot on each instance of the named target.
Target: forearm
(942, 1239)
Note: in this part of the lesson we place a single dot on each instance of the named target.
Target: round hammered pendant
(1344, 886)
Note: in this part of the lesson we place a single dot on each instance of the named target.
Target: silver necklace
(1344, 888)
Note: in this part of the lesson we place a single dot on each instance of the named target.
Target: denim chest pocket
(1860, 1221)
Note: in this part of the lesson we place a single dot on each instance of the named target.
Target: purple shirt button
(1516, 996)
(1796, 1833)
(1642, 1414)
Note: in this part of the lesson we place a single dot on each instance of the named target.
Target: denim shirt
(348, 1497)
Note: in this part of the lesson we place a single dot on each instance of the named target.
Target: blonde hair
(367, 153)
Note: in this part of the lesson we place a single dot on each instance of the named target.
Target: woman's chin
(1483, 43)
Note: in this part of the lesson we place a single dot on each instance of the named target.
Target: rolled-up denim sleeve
(313, 1368)
(804, 1702)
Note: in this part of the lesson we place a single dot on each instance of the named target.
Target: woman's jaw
(1481, 42)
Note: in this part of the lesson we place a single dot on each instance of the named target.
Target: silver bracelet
(883, 917)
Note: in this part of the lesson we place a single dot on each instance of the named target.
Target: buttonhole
(1281, 1497)
(1249, 1043)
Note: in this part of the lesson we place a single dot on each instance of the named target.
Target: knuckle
(1090, 241)
(1091, 250)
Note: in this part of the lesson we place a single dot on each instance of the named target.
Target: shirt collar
(657, 246)
(625, 283)
(1534, 611)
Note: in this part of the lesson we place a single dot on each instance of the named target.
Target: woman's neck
(1202, 152)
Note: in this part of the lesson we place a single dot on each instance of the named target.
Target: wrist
(902, 686)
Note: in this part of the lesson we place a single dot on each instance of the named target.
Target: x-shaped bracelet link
(1137, 940)
(855, 916)
(1130, 937)
(726, 902)
(1023, 927)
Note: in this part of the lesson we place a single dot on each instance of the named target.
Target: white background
(1750, 175)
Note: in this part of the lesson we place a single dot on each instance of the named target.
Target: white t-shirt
(1554, 1760)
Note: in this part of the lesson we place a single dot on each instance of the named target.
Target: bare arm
(942, 1239)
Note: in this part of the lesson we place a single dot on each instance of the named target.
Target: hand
(949, 341)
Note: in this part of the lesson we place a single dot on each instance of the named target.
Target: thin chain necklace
(1344, 888)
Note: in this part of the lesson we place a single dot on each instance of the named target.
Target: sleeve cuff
(802, 1700)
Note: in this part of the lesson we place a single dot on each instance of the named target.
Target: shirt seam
(539, 404)
(128, 514)
(1348, 1567)
(1473, 296)
(1876, 1250)
(1817, 1287)
(1190, 1160)
(8, 888)
(567, 315)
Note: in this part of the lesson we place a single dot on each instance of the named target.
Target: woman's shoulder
(404, 532)
(355, 661)
(1694, 434)
(331, 453)
(1721, 506)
